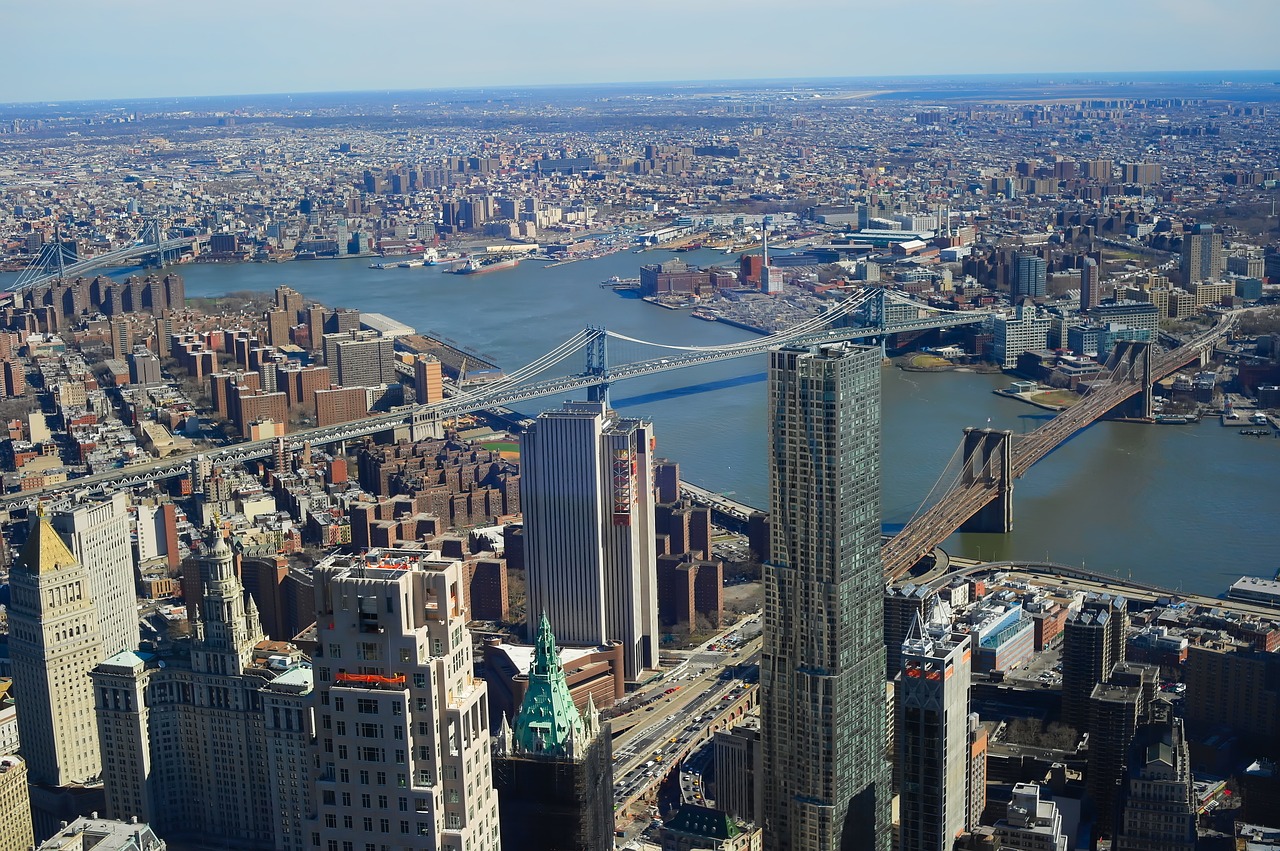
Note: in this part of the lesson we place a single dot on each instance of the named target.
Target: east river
(1190, 507)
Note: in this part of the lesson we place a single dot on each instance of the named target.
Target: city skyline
(349, 489)
(244, 41)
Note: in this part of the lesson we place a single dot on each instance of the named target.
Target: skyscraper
(1090, 284)
(1093, 644)
(1157, 810)
(403, 733)
(1201, 255)
(97, 533)
(15, 805)
(184, 734)
(1030, 277)
(54, 642)
(554, 769)
(586, 489)
(822, 668)
(932, 737)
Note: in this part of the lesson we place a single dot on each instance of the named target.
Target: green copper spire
(548, 722)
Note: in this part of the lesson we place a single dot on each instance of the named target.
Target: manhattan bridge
(973, 493)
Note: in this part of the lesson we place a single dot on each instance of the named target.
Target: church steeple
(548, 723)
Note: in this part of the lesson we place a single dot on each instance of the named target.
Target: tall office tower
(97, 534)
(121, 338)
(1030, 276)
(403, 733)
(1090, 285)
(586, 488)
(822, 680)
(554, 769)
(932, 736)
(977, 790)
(1201, 255)
(1093, 643)
(184, 745)
(1116, 711)
(53, 643)
(1157, 810)
(1031, 824)
(288, 718)
(15, 805)
(739, 772)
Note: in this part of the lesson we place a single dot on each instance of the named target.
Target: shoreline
(1009, 394)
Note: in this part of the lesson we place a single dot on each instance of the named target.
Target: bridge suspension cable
(933, 525)
(928, 499)
(526, 372)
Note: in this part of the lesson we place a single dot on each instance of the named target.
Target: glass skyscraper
(822, 670)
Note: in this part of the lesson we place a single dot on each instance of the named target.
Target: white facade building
(1025, 331)
(54, 642)
(402, 730)
(97, 533)
(1031, 824)
(586, 489)
(186, 744)
(932, 736)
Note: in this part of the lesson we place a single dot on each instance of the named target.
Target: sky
(118, 49)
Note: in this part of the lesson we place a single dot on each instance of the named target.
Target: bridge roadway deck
(111, 258)
(489, 397)
(927, 531)
(719, 502)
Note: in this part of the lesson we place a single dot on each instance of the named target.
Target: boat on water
(483, 265)
(434, 258)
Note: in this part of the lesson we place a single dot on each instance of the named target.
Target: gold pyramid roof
(44, 551)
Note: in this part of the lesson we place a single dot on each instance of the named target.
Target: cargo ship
(484, 265)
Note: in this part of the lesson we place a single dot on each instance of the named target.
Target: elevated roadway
(520, 386)
(962, 501)
(119, 257)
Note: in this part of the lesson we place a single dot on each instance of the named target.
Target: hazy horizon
(1062, 78)
(146, 49)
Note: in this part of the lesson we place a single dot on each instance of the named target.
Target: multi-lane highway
(672, 718)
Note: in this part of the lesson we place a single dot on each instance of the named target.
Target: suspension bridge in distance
(56, 261)
(978, 498)
(872, 313)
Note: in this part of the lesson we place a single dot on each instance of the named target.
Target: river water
(1180, 506)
